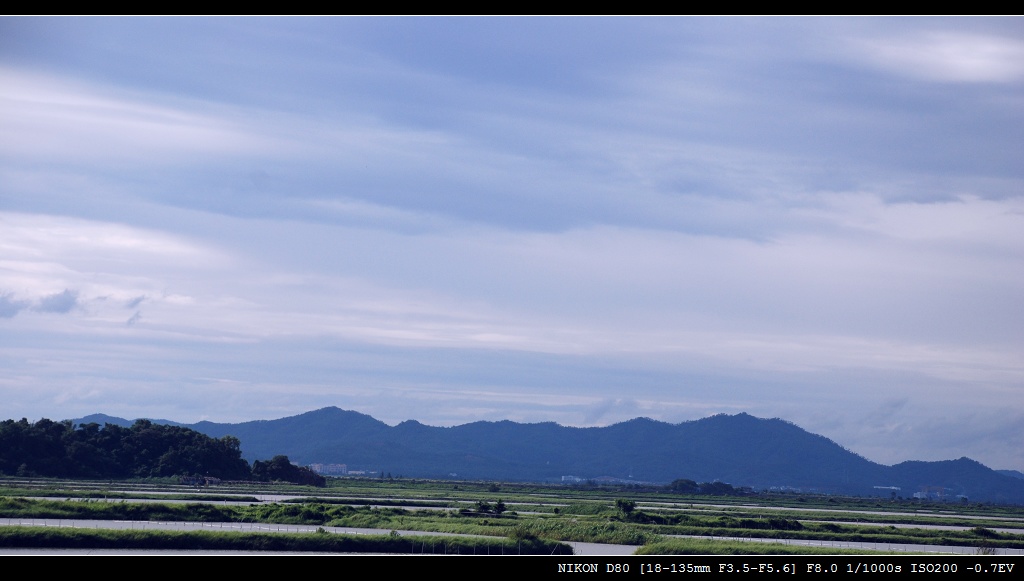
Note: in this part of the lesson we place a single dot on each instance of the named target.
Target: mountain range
(741, 450)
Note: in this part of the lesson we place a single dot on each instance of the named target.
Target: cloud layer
(536, 219)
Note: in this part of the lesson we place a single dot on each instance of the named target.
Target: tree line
(687, 486)
(144, 450)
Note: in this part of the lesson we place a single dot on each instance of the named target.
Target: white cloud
(946, 56)
(51, 118)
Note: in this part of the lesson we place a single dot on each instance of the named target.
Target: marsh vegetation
(480, 514)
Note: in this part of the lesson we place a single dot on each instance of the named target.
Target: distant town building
(931, 493)
(329, 469)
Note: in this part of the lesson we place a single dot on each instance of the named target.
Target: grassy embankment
(31, 537)
(708, 547)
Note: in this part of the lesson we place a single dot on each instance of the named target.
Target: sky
(578, 220)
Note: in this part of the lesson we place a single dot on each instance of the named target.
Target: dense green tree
(626, 507)
(59, 449)
(717, 489)
(684, 486)
(280, 468)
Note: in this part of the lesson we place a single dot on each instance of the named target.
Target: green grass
(590, 531)
(117, 495)
(709, 547)
(554, 513)
(370, 501)
(118, 510)
(32, 537)
(601, 525)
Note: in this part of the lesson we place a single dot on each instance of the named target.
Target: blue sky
(580, 220)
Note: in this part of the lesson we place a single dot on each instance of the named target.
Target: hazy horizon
(578, 220)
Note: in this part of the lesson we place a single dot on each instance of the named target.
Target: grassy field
(31, 537)
(533, 513)
(709, 547)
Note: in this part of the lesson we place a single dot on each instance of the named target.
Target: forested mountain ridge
(741, 450)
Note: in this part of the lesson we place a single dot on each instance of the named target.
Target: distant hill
(741, 450)
(105, 419)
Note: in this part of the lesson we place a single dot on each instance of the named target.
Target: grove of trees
(280, 468)
(145, 450)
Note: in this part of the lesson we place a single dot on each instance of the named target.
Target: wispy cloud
(50, 118)
(61, 302)
(134, 302)
(10, 306)
(947, 56)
